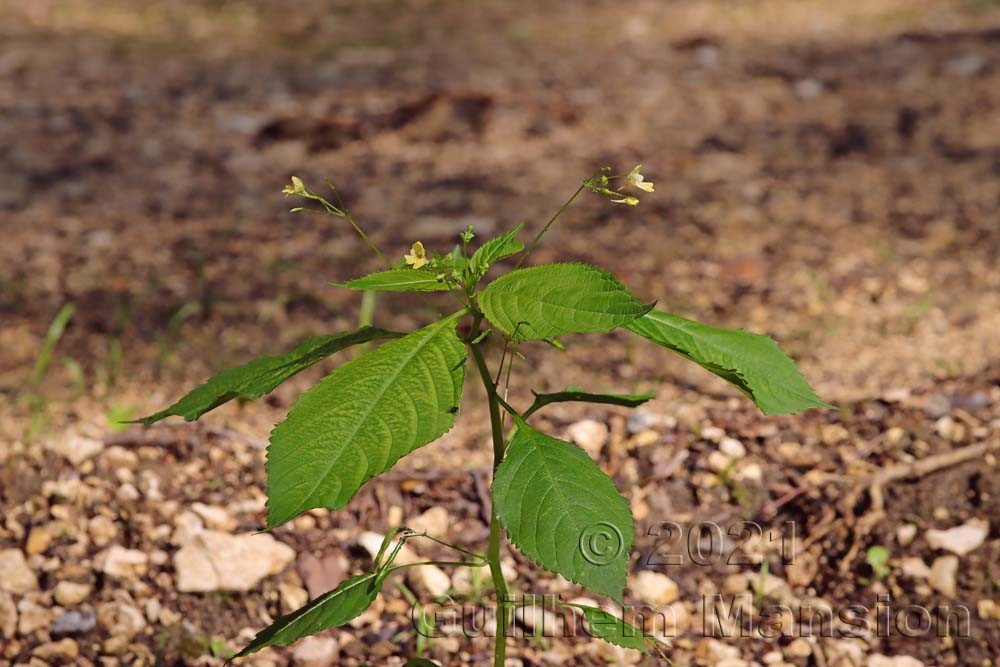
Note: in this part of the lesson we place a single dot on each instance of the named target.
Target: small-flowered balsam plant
(554, 502)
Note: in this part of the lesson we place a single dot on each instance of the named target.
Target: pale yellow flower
(635, 179)
(417, 257)
(296, 187)
(630, 201)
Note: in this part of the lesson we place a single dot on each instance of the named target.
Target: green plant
(554, 502)
(37, 400)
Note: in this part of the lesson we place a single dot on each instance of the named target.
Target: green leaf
(561, 511)
(614, 630)
(555, 299)
(496, 249)
(398, 280)
(624, 400)
(344, 603)
(752, 362)
(261, 376)
(362, 418)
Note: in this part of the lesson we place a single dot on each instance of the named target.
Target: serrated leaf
(624, 400)
(555, 299)
(362, 418)
(398, 280)
(262, 375)
(496, 249)
(563, 512)
(614, 630)
(752, 362)
(334, 608)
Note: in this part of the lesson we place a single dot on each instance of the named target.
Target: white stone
(799, 648)
(120, 619)
(590, 434)
(8, 615)
(292, 597)
(187, 524)
(75, 448)
(32, 616)
(959, 540)
(655, 589)
(315, 652)
(944, 572)
(219, 561)
(906, 533)
(121, 563)
(102, 530)
(15, 575)
(732, 448)
(71, 593)
(430, 580)
(216, 518)
(434, 521)
(712, 434)
(879, 660)
(718, 462)
(915, 568)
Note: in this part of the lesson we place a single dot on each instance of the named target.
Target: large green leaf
(614, 630)
(344, 603)
(752, 362)
(398, 280)
(362, 418)
(561, 511)
(574, 395)
(496, 249)
(555, 299)
(261, 376)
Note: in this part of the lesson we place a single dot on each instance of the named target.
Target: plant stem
(493, 551)
(548, 224)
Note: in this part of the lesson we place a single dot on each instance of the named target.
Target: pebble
(944, 572)
(799, 648)
(64, 649)
(187, 524)
(292, 597)
(589, 434)
(434, 521)
(121, 563)
(120, 619)
(15, 575)
(879, 660)
(8, 615)
(906, 533)
(75, 448)
(102, 530)
(32, 616)
(219, 561)
(216, 518)
(959, 540)
(712, 434)
(39, 540)
(915, 568)
(315, 652)
(732, 448)
(718, 462)
(950, 429)
(655, 589)
(71, 593)
(74, 623)
(832, 434)
(429, 580)
(988, 610)
(937, 406)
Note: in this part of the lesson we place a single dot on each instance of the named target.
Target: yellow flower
(637, 180)
(417, 257)
(296, 187)
(631, 201)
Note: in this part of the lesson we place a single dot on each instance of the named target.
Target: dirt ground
(827, 173)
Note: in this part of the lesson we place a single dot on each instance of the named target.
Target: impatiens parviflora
(417, 257)
(637, 180)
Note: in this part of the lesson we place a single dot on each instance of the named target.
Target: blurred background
(827, 173)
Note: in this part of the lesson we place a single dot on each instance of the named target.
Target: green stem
(493, 551)
(548, 224)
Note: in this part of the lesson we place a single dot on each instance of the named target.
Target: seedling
(554, 502)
